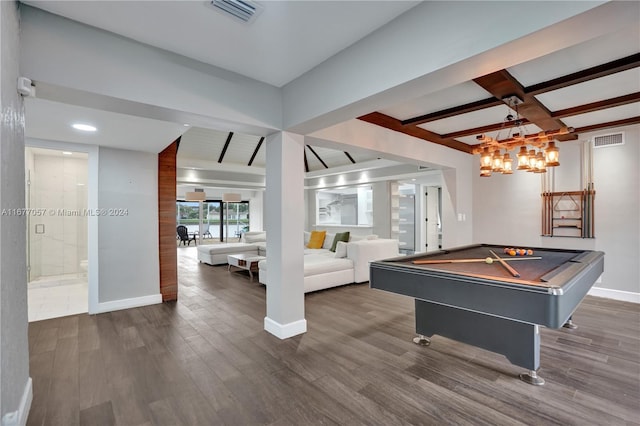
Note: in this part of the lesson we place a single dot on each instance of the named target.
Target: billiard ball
(530, 252)
(489, 260)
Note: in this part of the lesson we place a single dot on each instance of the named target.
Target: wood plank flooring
(206, 360)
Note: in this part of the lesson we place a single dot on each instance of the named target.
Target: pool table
(484, 304)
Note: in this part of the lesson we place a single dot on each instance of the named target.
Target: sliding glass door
(236, 221)
(215, 219)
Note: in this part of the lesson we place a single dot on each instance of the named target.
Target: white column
(284, 219)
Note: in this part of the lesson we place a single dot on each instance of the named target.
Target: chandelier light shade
(537, 151)
(533, 163)
(523, 158)
(540, 163)
(507, 164)
(497, 162)
(195, 196)
(486, 160)
(552, 154)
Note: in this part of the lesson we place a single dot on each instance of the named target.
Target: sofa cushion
(225, 248)
(253, 236)
(317, 239)
(316, 251)
(328, 241)
(340, 236)
(341, 249)
(315, 264)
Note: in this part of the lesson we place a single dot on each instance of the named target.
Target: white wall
(15, 384)
(128, 226)
(507, 209)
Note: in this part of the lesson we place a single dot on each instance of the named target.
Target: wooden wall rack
(568, 214)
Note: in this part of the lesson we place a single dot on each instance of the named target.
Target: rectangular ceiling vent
(244, 10)
(612, 139)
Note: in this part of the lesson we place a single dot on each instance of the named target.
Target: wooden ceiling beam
(224, 149)
(618, 123)
(501, 84)
(450, 112)
(597, 106)
(592, 73)
(482, 129)
(394, 124)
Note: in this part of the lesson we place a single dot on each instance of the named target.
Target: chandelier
(537, 151)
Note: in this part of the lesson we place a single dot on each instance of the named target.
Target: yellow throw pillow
(316, 240)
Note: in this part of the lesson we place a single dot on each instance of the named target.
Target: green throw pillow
(340, 236)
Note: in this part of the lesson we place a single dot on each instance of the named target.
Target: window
(213, 218)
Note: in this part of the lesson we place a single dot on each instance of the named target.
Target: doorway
(433, 227)
(57, 232)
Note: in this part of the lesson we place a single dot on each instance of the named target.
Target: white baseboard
(19, 417)
(284, 331)
(134, 302)
(625, 296)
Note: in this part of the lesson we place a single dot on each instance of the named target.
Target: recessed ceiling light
(186, 124)
(84, 127)
(67, 153)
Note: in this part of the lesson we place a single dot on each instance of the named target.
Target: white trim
(134, 302)
(625, 296)
(284, 331)
(19, 417)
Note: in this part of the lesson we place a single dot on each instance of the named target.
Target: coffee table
(248, 262)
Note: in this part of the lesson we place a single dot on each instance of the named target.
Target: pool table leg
(569, 324)
(422, 340)
(532, 378)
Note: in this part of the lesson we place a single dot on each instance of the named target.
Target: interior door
(433, 219)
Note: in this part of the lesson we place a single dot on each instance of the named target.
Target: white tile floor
(59, 296)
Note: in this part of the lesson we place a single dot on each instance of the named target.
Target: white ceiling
(286, 40)
(52, 121)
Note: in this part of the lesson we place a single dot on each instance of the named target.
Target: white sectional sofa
(322, 267)
(250, 243)
(349, 264)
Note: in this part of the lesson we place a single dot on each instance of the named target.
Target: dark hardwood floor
(206, 360)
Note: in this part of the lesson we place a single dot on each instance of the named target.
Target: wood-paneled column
(167, 222)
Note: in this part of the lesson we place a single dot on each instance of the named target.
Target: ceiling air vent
(244, 10)
(611, 139)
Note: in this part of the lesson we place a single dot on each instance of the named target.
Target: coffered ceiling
(588, 87)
